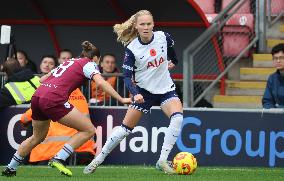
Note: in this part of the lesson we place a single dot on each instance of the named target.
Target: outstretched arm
(109, 89)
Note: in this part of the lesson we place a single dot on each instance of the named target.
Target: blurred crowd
(20, 68)
(95, 95)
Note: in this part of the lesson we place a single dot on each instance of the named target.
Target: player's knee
(35, 140)
(91, 131)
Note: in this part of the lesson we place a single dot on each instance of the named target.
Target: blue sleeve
(268, 100)
(128, 71)
(171, 51)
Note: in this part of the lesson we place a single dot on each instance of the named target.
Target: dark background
(72, 22)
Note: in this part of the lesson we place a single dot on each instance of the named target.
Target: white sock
(115, 138)
(16, 161)
(171, 135)
(65, 152)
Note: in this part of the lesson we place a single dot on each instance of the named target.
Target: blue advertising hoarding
(215, 137)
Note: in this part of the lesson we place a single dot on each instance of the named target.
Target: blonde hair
(126, 31)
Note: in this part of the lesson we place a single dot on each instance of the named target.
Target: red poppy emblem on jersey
(153, 52)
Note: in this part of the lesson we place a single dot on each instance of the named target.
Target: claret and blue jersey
(66, 78)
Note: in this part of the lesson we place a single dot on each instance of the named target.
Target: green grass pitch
(146, 173)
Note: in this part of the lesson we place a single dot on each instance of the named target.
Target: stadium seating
(238, 29)
(207, 6)
(210, 17)
(277, 6)
(245, 9)
(243, 20)
(236, 34)
(235, 39)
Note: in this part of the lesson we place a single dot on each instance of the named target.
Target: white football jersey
(151, 63)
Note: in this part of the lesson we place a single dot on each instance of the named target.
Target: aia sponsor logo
(155, 63)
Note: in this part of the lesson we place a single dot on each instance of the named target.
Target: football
(184, 163)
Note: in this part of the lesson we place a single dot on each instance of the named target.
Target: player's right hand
(171, 65)
(139, 98)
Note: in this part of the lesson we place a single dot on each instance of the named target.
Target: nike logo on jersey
(142, 57)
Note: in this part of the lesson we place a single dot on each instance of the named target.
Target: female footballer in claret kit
(50, 102)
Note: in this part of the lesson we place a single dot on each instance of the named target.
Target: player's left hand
(171, 65)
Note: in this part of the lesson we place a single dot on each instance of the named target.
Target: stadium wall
(217, 137)
(41, 27)
(35, 40)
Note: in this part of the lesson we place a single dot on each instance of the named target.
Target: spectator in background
(64, 55)
(274, 93)
(107, 65)
(48, 62)
(2, 76)
(21, 84)
(25, 62)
